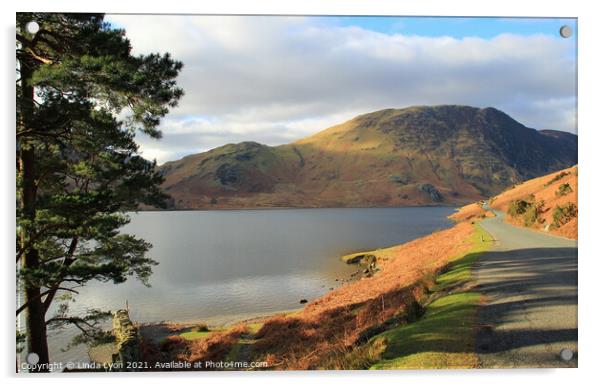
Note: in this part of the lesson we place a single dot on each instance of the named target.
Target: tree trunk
(35, 317)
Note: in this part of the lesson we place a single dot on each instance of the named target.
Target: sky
(276, 79)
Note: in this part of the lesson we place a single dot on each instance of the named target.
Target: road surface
(529, 280)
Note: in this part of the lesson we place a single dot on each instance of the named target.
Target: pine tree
(81, 98)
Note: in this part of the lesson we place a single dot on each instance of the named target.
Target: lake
(223, 266)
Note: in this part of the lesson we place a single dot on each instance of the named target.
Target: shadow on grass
(531, 308)
(438, 340)
(446, 335)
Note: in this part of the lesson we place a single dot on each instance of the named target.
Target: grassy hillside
(444, 338)
(547, 203)
(395, 157)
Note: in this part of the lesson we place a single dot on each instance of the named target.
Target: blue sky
(458, 27)
(273, 79)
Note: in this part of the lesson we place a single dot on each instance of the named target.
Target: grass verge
(241, 351)
(445, 335)
(194, 335)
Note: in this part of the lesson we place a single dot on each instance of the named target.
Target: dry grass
(330, 331)
(552, 190)
(324, 333)
(472, 211)
(445, 336)
(215, 347)
(544, 189)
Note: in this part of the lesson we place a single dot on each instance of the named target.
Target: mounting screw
(32, 358)
(566, 31)
(566, 354)
(32, 27)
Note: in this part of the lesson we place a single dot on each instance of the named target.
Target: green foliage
(194, 335)
(563, 214)
(557, 177)
(461, 268)
(20, 340)
(431, 191)
(532, 213)
(444, 336)
(89, 325)
(361, 357)
(200, 327)
(527, 208)
(399, 179)
(518, 207)
(79, 169)
(563, 190)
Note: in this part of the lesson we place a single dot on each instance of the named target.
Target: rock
(126, 339)
(368, 260)
(432, 192)
(303, 301)
(359, 258)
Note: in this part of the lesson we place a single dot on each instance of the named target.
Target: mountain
(420, 155)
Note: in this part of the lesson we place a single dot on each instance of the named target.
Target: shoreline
(268, 208)
(354, 311)
(208, 336)
(221, 321)
(157, 332)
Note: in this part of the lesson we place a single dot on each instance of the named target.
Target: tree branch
(39, 58)
(68, 261)
(24, 306)
(73, 320)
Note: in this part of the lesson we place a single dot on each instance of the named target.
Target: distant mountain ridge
(420, 155)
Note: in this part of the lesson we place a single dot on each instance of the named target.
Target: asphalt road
(529, 280)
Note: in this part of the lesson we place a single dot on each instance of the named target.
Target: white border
(590, 141)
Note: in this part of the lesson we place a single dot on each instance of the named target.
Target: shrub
(532, 213)
(563, 214)
(403, 179)
(518, 207)
(432, 192)
(216, 347)
(397, 179)
(360, 357)
(557, 177)
(563, 190)
(172, 342)
(528, 208)
(201, 327)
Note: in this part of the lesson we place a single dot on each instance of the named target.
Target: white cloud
(276, 79)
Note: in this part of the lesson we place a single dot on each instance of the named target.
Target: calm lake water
(223, 266)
